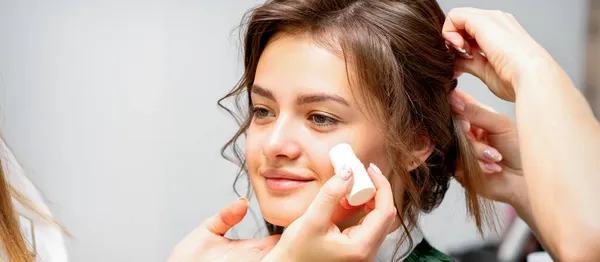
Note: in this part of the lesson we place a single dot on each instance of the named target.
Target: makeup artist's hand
(494, 138)
(496, 143)
(207, 243)
(559, 135)
(495, 48)
(313, 237)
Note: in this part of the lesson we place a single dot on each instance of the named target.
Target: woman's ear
(421, 152)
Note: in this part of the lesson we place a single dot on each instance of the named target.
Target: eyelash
(329, 121)
(257, 110)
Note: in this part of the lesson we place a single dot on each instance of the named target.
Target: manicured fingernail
(492, 154)
(465, 125)
(345, 172)
(243, 199)
(462, 52)
(457, 104)
(493, 167)
(375, 168)
(450, 44)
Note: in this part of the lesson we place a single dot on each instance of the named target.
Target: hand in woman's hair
(207, 242)
(495, 48)
(495, 140)
(321, 240)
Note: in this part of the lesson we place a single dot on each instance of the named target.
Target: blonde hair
(11, 238)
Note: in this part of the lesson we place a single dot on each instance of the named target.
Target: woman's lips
(285, 184)
(281, 180)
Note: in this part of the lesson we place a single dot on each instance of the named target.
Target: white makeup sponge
(363, 189)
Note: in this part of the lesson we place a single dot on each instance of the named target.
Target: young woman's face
(303, 106)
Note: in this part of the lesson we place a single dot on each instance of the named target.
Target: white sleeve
(49, 240)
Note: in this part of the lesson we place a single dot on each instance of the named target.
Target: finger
(490, 168)
(232, 214)
(465, 126)
(383, 196)
(460, 97)
(369, 208)
(344, 203)
(480, 115)
(479, 66)
(480, 134)
(456, 22)
(486, 153)
(455, 39)
(463, 49)
(320, 210)
(476, 131)
(377, 223)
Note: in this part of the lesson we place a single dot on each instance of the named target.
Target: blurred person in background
(28, 232)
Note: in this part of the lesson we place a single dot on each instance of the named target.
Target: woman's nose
(282, 142)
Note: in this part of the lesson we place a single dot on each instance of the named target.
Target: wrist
(534, 69)
(523, 209)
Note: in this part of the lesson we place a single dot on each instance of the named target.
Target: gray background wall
(110, 106)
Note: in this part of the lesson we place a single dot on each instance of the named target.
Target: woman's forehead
(297, 63)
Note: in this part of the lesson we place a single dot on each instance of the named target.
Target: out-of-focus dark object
(592, 78)
(489, 253)
(516, 244)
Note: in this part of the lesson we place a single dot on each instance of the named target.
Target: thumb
(320, 210)
(228, 217)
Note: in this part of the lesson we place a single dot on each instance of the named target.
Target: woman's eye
(260, 112)
(323, 120)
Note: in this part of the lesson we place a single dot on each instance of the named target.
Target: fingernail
(375, 168)
(243, 199)
(457, 104)
(493, 167)
(492, 154)
(462, 52)
(448, 44)
(345, 172)
(465, 125)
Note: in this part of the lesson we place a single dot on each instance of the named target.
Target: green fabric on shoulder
(424, 252)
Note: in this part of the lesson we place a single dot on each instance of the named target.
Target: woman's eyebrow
(266, 93)
(321, 97)
(303, 99)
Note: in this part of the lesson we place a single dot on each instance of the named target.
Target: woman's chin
(283, 214)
